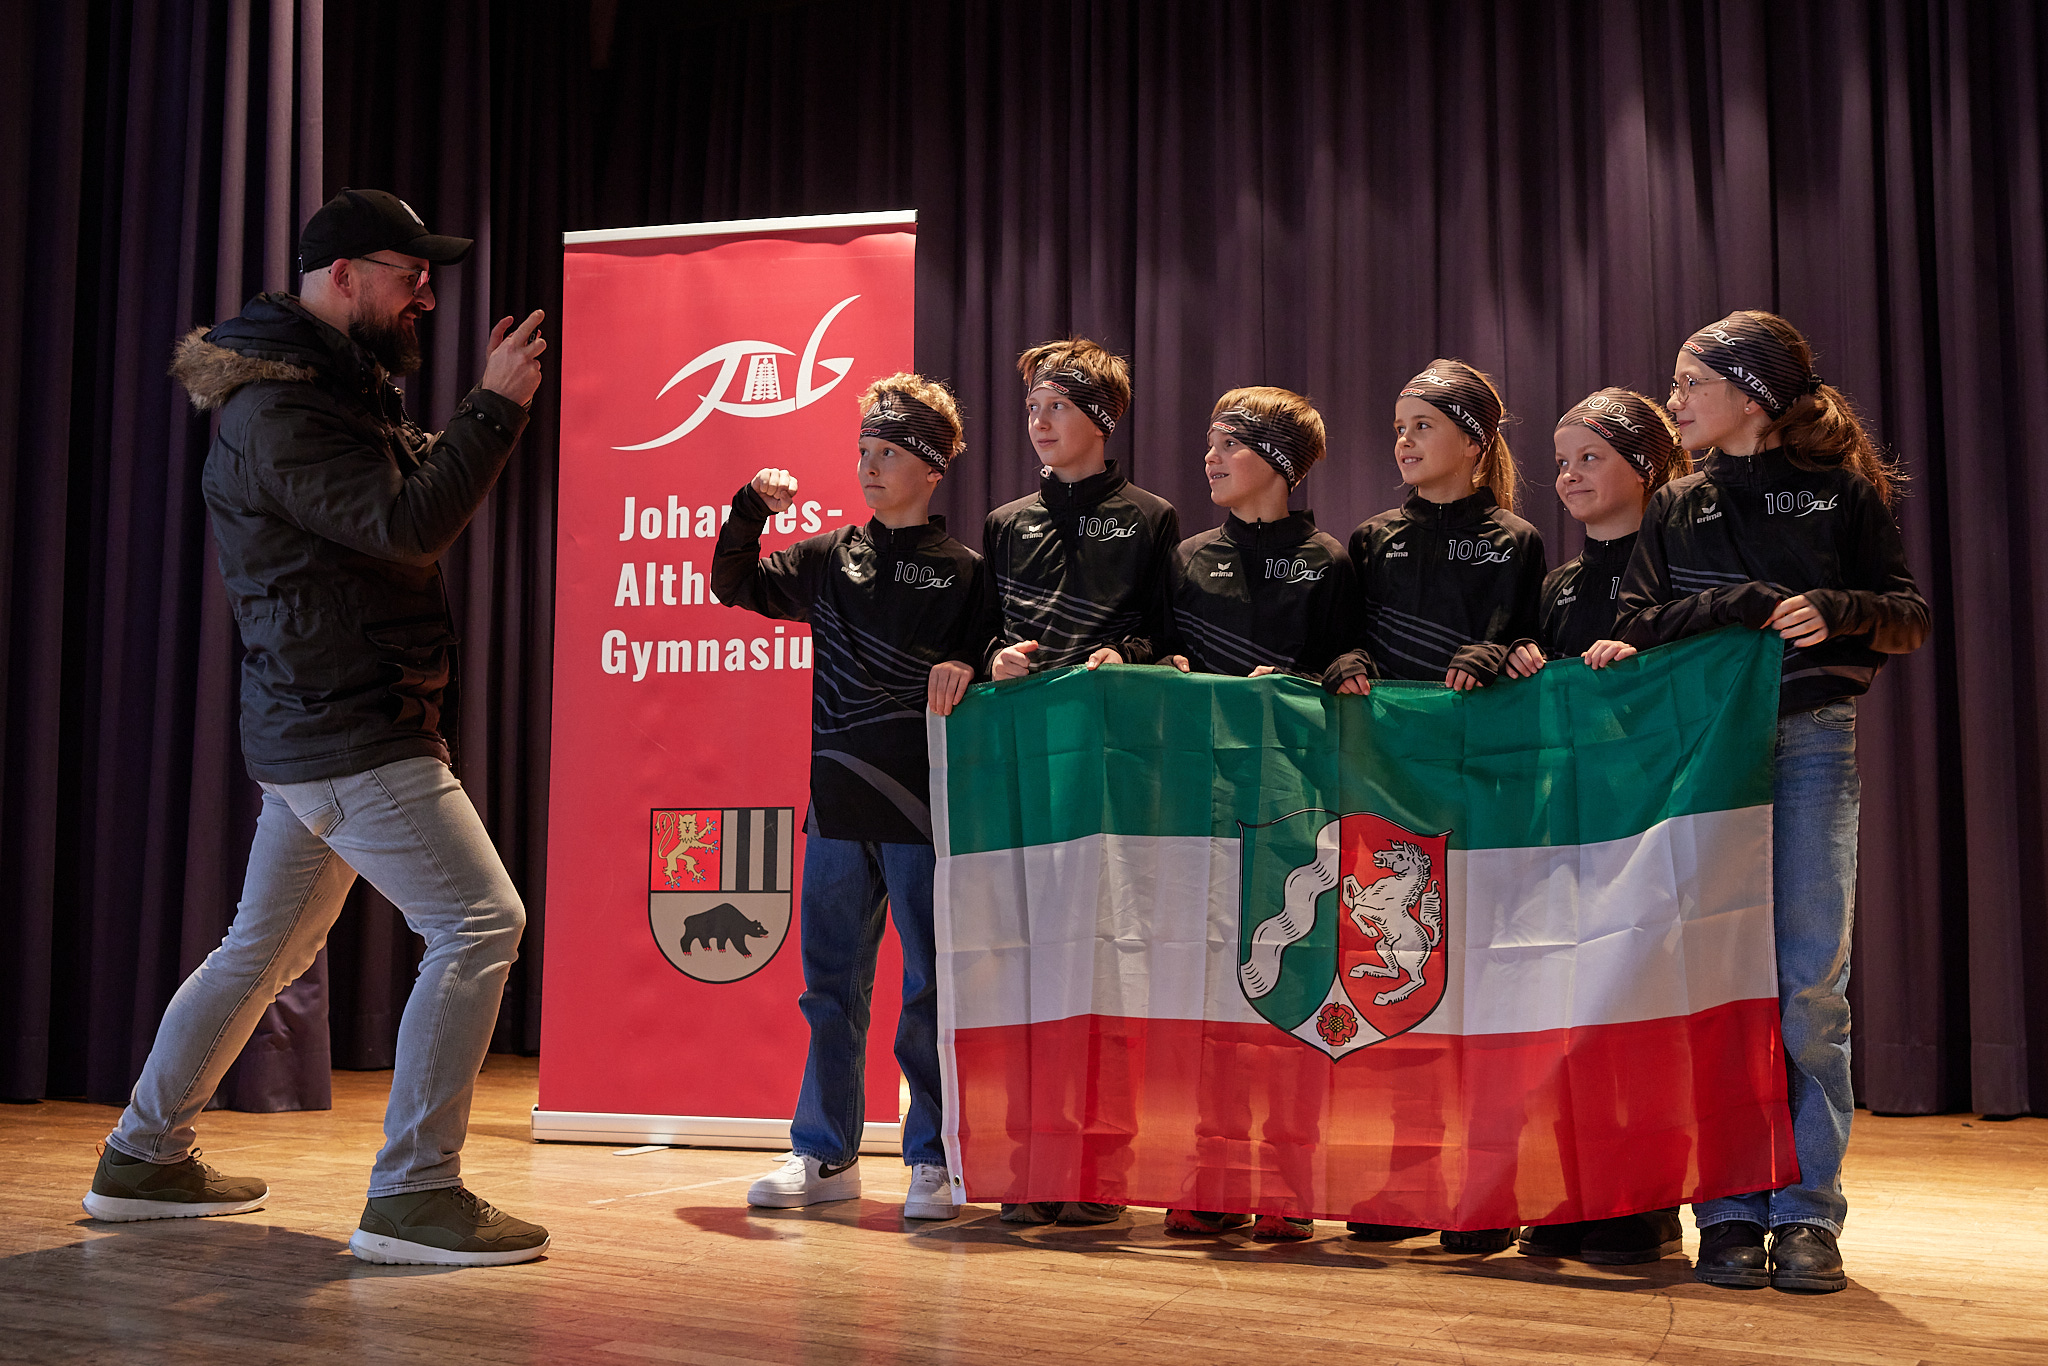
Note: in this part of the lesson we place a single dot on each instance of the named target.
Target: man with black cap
(331, 510)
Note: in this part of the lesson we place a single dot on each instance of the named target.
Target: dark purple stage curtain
(155, 173)
(1318, 195)
(416, 117)
(1326, 195)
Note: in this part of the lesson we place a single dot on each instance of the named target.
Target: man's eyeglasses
(415, 279)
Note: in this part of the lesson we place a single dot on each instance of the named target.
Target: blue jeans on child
(846, 883)
(1817, 797)
(410, 829)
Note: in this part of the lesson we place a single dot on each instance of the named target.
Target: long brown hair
(1496, 467)
(1821, 430)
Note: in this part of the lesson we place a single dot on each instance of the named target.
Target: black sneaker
(1806, 1257)
(1477, 1241)
(1090, 1212)
(127, 1189)
(1732, 1254)
(1386, 1233)
(1551, 1240)
(1036, 1212)
(1630, 1239)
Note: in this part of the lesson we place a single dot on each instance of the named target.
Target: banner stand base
(689, 1131)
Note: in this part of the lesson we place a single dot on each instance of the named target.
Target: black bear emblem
(723, 926)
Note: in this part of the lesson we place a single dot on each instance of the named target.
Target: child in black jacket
(1077, 571)
(898, 615)
(1614, 450)
(1788, 527)
(1449, 580)
(1265, 591)
(1079, 567)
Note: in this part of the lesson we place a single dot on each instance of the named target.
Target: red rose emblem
(1337, 1023)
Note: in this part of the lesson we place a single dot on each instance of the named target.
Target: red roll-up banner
(692, 357)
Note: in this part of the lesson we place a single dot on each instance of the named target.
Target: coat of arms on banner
(1343, 936)
(719, 887)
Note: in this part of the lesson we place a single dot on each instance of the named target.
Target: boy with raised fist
(899, 621)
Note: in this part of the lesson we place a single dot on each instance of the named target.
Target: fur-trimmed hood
(274, 339)
(211, 374)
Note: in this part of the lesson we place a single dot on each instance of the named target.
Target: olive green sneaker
(126, 1189)
(445, 1227)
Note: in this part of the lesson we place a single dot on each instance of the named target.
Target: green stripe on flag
(1574, 756)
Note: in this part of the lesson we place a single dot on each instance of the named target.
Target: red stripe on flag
(1438, 1130)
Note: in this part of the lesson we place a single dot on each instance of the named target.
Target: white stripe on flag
(1542, 938)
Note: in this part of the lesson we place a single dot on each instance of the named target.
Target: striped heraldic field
(1452, 960)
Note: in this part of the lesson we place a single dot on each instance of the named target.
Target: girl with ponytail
(1449, 579)
(1787, 526)
(1447, 582)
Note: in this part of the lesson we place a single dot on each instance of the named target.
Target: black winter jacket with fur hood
(331, 510)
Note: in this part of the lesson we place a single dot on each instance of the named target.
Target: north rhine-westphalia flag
(1454, 960)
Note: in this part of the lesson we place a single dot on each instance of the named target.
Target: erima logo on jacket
(1088, 528)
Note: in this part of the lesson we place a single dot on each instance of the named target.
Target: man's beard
(388, 342)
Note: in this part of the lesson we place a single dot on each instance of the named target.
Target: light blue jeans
(845, 885)
(1818, 798)
(410, 829)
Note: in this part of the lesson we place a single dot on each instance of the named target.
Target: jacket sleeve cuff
(1347, 666)
(1744, 604)
(1481, 660)
(749, 504)
(494, 410)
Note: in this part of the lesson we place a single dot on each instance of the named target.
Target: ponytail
(1496, 470)
(1820, 430)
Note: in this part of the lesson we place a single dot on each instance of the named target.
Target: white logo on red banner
(761, 395)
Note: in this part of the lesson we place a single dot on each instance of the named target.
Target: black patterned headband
(1097, 400)
(1461, 394)
(1279, 440)
(913, 424)
(1627, 422)
(1741, 349)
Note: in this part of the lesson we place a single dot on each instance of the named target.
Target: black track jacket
(884, 606)
(1727, 544)
(1079, 566)
(1581, 597)
(1442, 584)
(1252, 593)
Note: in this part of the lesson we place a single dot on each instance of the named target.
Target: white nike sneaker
(801, 1181)
(931, 1193)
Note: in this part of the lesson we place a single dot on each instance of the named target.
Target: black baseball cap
(358, 222)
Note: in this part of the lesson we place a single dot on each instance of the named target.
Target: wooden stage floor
(657, 1260)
